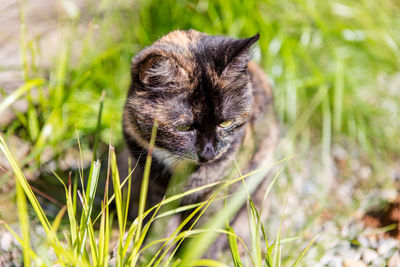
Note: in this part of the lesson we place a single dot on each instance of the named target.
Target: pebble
(386, 245)
(354, 263)
(336, 262)
(373, 242)
(6, 241)
(350, 254)
(394, 261)
(390, 193)
(363, 240)
(378, 262)
(369, 255)
(365, 172)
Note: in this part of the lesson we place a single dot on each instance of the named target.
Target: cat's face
(197, 88)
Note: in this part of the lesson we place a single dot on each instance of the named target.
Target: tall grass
(89, 244)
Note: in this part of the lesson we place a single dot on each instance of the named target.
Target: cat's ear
(238, 54)
(157, 71)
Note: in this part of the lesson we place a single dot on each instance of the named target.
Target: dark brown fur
(191, 78)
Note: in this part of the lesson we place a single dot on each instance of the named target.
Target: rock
(386, 245)
(364, 242)
(373, 241)
(6, 241)
(330, 260)
(342, 246)
(394, 261)
(354, 263)
(350, 254)
(369, 255)
(365, 172)
(336, 262)
(378, 262)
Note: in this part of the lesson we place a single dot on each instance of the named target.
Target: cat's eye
(226, 124)
(184, 128)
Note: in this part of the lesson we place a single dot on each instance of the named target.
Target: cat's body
(209, 100)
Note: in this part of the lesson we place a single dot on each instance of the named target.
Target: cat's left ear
(157, 71)
(238, 54)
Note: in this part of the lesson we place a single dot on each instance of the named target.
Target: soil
(387, 215)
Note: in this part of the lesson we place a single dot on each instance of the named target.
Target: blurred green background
(331, 64)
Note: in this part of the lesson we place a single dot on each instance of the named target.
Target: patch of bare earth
(386, 216)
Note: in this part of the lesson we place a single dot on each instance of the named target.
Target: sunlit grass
(87, 244)
(324, 59)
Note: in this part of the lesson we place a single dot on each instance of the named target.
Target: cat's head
(197, 88)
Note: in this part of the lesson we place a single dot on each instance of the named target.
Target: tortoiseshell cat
(208, 98)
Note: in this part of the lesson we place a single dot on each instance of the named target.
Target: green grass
(85, 243)
(324, 59)
(331, 64)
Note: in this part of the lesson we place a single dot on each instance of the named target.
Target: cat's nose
(207, 153)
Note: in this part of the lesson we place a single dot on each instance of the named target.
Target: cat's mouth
(171, 159)
(202, 160)
(215, 157)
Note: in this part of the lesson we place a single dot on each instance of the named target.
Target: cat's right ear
(159, 72)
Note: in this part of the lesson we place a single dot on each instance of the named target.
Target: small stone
(386, 245)
(336, 262)
(339, 153)
(350, 254)
(394, 261)
(395, 175)
(355, 164)
(373, 241)
(326, 259)
(390, 194)
(378, 262)
(369, 255)
(6, 241)
(354, 263)
(363, 240)
(330, 260)
(365, 172)
(343, 245)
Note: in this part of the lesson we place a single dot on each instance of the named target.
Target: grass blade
(145, 182)
(305, 251)
(27, 189)
(118, 202)
(24, 222)
(88, 205)
(232, 241)
(14, 96)
(97, 132)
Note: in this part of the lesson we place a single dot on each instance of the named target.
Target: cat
(209, 100)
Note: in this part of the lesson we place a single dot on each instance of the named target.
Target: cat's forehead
(182, 38)
(186, 48)
(192, 48)
(200, 54)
